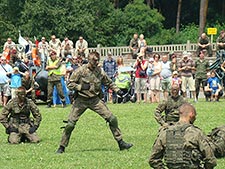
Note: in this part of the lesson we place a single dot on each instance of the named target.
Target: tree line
(110, 22)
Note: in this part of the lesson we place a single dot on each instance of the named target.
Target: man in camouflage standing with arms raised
(170, 107)
(87, 81)
(15, 117)
(182, 145)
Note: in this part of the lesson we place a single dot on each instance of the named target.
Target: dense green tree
(141, 19)
(108, 22)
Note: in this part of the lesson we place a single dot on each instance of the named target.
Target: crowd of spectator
(150, 77)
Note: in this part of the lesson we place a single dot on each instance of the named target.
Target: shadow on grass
(97, 149)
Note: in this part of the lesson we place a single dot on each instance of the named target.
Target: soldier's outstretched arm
(36, 113)
(108, 82)
(158, 113)
(73, 81)
(207, 152)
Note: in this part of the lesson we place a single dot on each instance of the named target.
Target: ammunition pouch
(18, 120)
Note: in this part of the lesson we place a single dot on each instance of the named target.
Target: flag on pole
(22, 41)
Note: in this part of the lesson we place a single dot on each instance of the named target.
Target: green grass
(92, 145)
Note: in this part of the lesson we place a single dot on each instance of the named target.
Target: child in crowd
(176, 79)
(15, 80)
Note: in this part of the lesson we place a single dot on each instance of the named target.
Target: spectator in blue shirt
(15, 80)
(214, 87)
(110, 67)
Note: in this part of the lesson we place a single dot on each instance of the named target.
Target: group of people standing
(179, 142)
(157, 76)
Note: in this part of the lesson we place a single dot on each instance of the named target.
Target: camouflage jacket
(28, 83)
(96, 78)
(201, 68)
(170, 107)
(195, 143)
(13, 111)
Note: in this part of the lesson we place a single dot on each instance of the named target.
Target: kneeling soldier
(15, 117)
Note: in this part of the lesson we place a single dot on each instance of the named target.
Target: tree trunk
(178, 16)
(116, 3)
(150, 3)
(203, 15)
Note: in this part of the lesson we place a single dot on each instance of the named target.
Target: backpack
(217, 137)
(175, 154)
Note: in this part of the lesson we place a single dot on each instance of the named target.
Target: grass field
(92, 145)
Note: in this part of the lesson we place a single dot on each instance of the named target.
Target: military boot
(123, 145)
(49, 105)
(60, 150)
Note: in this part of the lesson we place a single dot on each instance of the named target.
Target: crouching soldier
(15, 117)
(182, 145)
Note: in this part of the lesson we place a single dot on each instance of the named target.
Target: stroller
(220, 58)
(123, 81)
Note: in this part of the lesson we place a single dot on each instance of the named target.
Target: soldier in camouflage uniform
(182, 145)
(201, 66)
(87, 81)
(15, 117)
(220, 41)
(54, 76)
(170, 107)
(28, 82)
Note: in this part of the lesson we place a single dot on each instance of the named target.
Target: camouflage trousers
(15, 138)
(58, 86)
(79, 106)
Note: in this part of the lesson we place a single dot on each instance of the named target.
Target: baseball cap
(175, 72)
(52, 53)
(186, 54)
(151, 60)
(16, 68)
(3, 58)
(69, 56)
(171, 53)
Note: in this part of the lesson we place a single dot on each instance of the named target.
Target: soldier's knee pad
(113, 121)
(69, 127)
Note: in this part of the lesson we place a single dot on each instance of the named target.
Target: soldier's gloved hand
(33, 129)
(85, 86)
(11, 129)
(120, 93)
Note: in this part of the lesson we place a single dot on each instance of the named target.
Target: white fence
(121, 50)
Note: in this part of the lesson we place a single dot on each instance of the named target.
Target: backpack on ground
(217, 138)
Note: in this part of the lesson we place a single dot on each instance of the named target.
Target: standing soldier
(15, 117)
(202, 66)
(182, 145)
(54, 78)
(170, 107)
(87, 81)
